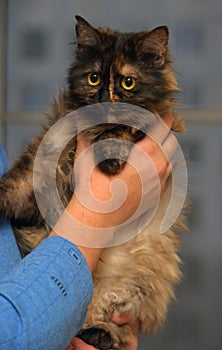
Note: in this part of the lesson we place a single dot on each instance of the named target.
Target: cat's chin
(112, 166)
(112, 148)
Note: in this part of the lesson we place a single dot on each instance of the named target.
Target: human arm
(29, 288)
(44, 297)
(43, 294)
(100, 187)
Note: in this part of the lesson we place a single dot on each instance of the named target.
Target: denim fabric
(43, 297)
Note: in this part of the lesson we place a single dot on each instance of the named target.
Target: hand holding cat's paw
(118, 319)
(78, 344)
(125, 319)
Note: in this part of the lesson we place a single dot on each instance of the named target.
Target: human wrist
(88, 216)
(84, 228)
(91, 255)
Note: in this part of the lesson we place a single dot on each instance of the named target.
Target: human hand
(102, 202)
(119, 319)
(112, 199)
(125, 319)
(78, 344)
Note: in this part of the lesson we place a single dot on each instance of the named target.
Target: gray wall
(37, 60)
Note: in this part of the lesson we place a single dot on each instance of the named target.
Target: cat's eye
(94, 79)
(128, 83)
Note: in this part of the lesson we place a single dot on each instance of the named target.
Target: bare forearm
(76, 223)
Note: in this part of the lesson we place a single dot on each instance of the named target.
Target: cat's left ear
(155, 43)
(85, 33)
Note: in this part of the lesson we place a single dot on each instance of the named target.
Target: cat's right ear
(86, 34)
(154, 44)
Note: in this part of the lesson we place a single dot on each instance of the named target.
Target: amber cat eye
(128, 83)
(94, 79)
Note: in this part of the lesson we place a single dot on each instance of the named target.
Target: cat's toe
(97, 337)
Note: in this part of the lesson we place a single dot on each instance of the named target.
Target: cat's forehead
(117, 49)
(117, 41)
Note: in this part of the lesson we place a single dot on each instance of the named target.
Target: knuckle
(151, 147)
(161, 168)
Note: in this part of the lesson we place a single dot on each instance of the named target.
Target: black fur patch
(97, 337)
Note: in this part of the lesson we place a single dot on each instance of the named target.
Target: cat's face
(125, 67)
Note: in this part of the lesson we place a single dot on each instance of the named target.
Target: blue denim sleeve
(9, 252)
(44, 299)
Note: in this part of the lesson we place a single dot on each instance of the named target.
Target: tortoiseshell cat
(109, 66)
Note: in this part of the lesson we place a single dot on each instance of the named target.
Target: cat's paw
(97, 337)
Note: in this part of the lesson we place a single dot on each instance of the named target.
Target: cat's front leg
(17, 201)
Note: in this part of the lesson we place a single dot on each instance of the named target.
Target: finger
(166, 176)
(120, 319)
(78, 344)
(124, 318)
(168, 119)
(84, 159)
(159, 130)
(160, 155)
(169, 146)
(81, 144)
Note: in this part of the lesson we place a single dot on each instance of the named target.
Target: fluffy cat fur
(139, 275)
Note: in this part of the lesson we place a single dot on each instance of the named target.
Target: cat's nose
(109, 96)
(105, 97)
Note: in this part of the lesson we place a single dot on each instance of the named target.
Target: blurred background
(34, 58)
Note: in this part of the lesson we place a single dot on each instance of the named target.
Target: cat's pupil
(128, 82)
(94, 77)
